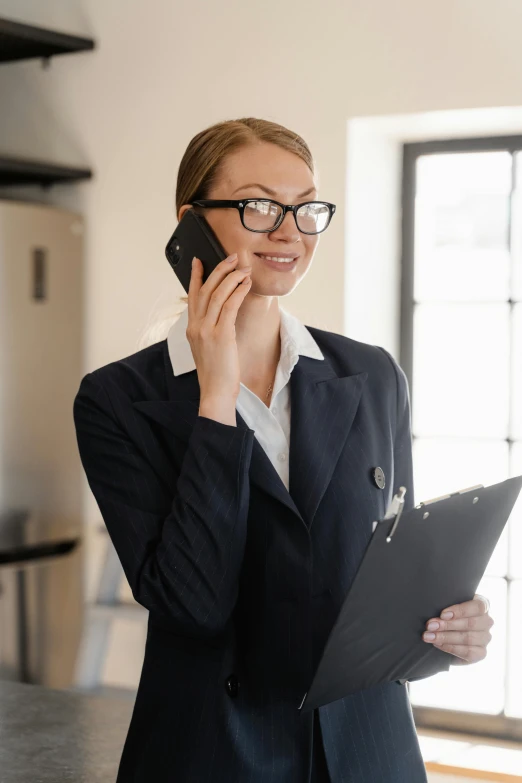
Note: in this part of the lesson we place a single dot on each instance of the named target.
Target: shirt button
(281, 457)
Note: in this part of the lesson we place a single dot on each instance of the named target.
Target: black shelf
(21, 171)
(24, 42)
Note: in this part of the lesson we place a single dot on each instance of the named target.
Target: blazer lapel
(323, 407)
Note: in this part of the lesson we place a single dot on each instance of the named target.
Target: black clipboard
(416, 563)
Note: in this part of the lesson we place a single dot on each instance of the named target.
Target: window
(461, 348)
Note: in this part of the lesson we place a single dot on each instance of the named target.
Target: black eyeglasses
(265, 215)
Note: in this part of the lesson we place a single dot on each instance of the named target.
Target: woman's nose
(288, 229)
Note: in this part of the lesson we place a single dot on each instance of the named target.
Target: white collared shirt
(270, 424)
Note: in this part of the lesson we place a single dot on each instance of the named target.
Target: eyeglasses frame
(241, 203)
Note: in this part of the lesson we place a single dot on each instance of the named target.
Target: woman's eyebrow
(269, 190)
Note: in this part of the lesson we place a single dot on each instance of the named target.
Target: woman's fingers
(481, 622)
(462, 630)
(470, 638)
(213, 308)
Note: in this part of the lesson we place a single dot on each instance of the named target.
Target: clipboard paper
(436, 557)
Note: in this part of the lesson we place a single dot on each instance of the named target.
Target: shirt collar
(296, 341)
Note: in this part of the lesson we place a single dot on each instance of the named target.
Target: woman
(240, 539)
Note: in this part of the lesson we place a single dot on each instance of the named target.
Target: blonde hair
(201, 167)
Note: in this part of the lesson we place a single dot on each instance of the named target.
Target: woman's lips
(280, 266)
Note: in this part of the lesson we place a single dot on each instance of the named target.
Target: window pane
(514, 696)
(515, 520)
(516, 365)
(461, 361)
(477, 687)
(462, 226)
(516, 232)
(445, 465)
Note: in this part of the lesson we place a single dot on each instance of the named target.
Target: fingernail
(193, 262)
(433, 626)
(446, 615)
(429, 637)
(232, 257)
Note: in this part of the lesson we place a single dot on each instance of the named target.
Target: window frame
(498, 726)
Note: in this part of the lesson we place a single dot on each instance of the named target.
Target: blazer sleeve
(181, 555)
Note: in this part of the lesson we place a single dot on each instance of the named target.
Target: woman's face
(285, 178)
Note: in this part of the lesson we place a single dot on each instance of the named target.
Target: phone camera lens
(174, 253)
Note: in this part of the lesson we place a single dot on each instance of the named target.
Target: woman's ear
(182, 210)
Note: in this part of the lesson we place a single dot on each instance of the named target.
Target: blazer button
(232, 685)
(378, 477)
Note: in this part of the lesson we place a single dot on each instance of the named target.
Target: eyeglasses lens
(263, 215)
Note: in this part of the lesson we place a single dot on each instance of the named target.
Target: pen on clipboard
(394, 509)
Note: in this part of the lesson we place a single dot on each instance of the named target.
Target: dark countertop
(52, 736)
(25, 537)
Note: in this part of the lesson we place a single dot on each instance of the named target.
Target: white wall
(162, 71)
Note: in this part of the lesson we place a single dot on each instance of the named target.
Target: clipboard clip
(396, 507)
(450, 495)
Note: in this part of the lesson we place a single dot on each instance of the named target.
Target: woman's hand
(465, 633)
(211, 331)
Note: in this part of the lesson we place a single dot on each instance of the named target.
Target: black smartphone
(193, 237)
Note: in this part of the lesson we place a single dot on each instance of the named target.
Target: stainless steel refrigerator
(41, 479)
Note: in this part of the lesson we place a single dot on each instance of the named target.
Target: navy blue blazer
(243, 580)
